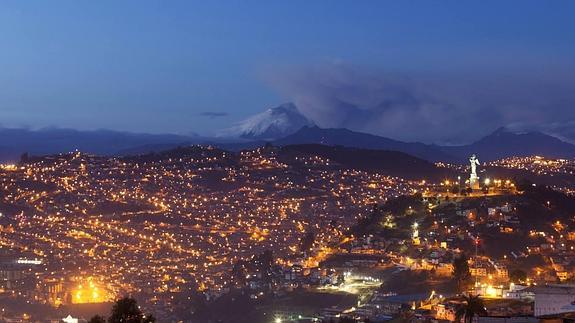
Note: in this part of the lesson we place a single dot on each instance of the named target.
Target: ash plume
(446, 108)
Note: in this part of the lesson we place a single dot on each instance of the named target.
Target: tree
(518, 276)
(523, 184)
(455, 189)
(406, 315)
(461, 271)
(97, 319)
(307, 241)
(471, 306)
(333, 224)
(264, 261)
(126, 310)
(239, 273)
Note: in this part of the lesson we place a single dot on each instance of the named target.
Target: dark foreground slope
(389, 162)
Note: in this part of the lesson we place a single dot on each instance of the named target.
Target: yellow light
(90, 293)
(490, 291)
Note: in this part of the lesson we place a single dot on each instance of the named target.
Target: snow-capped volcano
(273, 123)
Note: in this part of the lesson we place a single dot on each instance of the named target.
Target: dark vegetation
(125, 310)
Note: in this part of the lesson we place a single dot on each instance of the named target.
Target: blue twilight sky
(197, 66)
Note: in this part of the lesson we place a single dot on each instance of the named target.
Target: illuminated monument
(473, 178)
(415, 234)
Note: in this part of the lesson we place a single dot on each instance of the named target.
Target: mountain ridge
(503, 143)
(348, 138)
(499, 144)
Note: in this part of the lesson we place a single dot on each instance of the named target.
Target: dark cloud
(213, 115)
(450, 107)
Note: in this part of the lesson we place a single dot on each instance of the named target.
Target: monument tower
(473, 178)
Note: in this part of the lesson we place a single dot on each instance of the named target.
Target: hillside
(348, 138)
(389, 162)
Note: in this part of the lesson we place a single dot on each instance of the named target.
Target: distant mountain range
(102, 142)
(500, 144)
(280, 126)
(504, 143)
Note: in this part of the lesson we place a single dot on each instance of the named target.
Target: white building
(519, 292)
(554, 299)
(70, 319)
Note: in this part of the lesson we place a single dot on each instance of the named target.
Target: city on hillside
(256, 161)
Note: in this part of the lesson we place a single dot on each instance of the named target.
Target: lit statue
(474, 163)
(473, 178)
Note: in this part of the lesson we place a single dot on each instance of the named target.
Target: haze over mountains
(283, 125)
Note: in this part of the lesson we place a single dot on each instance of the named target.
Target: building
(519, 292)
(445, 311)
(553, 299)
